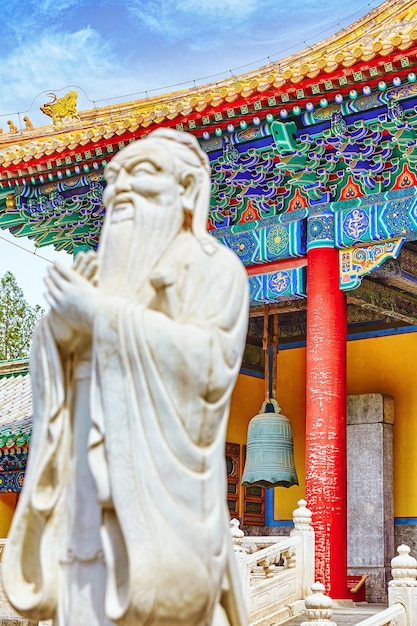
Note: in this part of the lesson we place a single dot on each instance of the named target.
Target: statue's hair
(186, 147)
(185, 144)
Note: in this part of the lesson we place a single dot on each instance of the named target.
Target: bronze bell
(270, 449)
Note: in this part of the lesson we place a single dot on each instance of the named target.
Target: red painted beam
(274, 266)
(326, 418)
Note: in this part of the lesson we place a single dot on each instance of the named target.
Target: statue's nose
(123, 181)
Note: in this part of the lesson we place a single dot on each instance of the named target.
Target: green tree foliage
(17, 320)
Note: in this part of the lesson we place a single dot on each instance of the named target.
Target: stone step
(343, 616)
(21, 621)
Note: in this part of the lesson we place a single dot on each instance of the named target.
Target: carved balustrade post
(237, 535)
(403, 586)
(319, 610)
(305, 552)
(241, 557)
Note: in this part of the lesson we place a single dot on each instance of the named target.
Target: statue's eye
(110, 177)
(144, 167)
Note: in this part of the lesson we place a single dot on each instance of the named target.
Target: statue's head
(168, 170)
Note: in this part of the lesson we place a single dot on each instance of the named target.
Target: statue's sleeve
(191, 354)
(201, 347)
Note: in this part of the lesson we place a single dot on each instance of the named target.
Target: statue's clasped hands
(72, 296)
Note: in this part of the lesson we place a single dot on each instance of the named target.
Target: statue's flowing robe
(163, 369)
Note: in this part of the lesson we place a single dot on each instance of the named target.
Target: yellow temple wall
(380, 365)
(388, 365)
(8, 503)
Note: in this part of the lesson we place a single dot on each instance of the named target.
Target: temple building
(314, 186)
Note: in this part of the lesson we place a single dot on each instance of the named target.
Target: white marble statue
(123, 517)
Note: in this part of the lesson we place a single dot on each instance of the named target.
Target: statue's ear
(189, 191)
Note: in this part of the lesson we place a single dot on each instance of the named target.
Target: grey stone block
(370, 421)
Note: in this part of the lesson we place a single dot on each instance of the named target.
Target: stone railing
(402, 598)
(277, 572)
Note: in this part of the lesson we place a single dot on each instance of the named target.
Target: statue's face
(142, 171)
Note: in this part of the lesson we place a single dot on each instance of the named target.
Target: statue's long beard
(130, 249)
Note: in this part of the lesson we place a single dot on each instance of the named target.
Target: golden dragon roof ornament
(63, 110)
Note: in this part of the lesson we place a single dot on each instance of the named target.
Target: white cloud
(229, 10)
(200, 22)
(143, 45)
(46, 6)
(204, 25)
(54, 61)
(52, 8)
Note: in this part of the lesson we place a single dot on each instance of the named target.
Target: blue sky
(117, 50)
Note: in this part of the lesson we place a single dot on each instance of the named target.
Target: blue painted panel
(277, 286)
(11, 481)
(266, 241)
(376, 222)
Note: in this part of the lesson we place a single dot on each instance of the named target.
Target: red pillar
(326, 418)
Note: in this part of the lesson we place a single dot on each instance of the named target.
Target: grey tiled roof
(15, 403)
(15, 399)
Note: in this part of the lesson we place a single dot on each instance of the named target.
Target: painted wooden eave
(391, 28)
